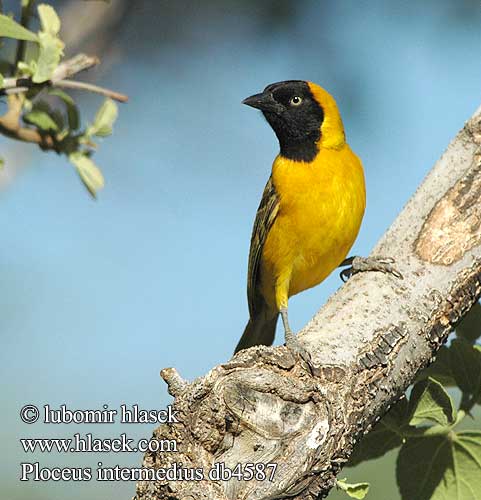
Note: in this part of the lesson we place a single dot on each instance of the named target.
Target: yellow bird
(311, 209)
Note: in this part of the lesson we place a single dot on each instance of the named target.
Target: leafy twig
(30, 117)
(10, 122)
(59, 78)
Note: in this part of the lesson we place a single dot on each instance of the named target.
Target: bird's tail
(259, 331)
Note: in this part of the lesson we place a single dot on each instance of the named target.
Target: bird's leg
(362, 264)
(294, 344)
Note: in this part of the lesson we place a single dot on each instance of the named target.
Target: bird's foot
(362, 264)
(295, 346)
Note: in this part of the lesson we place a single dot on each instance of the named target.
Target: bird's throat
(304, 149)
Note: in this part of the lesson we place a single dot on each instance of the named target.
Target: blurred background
(97, 297)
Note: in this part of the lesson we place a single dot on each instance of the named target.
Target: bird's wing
(266, 214)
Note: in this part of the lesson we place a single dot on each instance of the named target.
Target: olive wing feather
(265, 217)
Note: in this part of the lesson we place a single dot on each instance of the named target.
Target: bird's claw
(363, 264)
(382, 260)
(294, 345)
(345, 274)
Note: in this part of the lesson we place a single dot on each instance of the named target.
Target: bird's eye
(295, 101)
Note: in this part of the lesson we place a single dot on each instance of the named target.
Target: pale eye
(295, 101)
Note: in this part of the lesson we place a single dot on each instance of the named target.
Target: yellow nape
(332, 129)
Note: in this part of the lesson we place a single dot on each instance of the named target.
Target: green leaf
(1, 81)
(440, 369)
(42, 115)
(441, 468)
(72, 110)
(466, 366)
(357, 490)
(2, 163)
(27, 69)
(104, 119)
(51, 51)
(58, 117)
(470, 327)
(42, 120)
(11, 29)
(89, 173)
(384, 436)
(49, 19)
(51, 47)
(429, 401)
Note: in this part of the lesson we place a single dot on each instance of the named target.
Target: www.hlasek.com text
(90, 444)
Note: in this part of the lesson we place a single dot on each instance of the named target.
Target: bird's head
(303, 115)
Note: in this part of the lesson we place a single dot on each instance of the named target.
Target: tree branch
(10, 126)
(73, 84)
(370, 340)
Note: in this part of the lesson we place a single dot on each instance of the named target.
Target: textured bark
(369, 340)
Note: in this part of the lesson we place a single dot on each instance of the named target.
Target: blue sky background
(97, 297)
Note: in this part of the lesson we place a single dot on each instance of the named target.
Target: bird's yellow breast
(321, 205)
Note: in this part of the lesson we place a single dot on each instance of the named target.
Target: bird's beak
(263, 101)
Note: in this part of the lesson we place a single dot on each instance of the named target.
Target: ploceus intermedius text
(311, 209)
